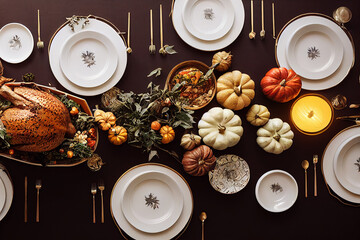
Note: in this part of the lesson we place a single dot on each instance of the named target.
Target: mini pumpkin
(189, 141)
(281, 84)
(199, 161)
(258, 115)
(235, 90)
(117, 135)
(275, 137)
(223, 59)
(104, 119)
(167, 133)
(155, 125)
(220, 128)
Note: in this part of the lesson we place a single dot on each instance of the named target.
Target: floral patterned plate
(231, 174)
(16, 43)
(276, 191)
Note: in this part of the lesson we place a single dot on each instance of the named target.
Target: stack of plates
(6, 192)
(208, 25)
(341, 164)
(317, 49)
(16, 43)
(151, 201)
(88, 61)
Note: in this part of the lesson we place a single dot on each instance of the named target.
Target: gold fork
(38, 187)
(93, 192)
(101, 187)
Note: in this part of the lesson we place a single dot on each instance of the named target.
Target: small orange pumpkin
(167, 133)
(155, 125)
(117, 135)
(199, 161)
(104, 119)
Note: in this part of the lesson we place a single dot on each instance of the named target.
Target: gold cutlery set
(252, 34)
(305, 165)
(38, 186)
(101, 187)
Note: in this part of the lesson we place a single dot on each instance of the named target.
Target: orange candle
(312, 114)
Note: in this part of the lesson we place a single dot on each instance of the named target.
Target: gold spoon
(273, 19)
(152, 47)
(129, 50)
(39, 44)
(305, 165)
(315, 161)
(252, 33)
(262, 32)
(202, 217)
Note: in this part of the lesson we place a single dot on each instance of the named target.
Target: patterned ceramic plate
(88, 59)
(276, 191)
(16, 43)
(152, 202)
(231, 174)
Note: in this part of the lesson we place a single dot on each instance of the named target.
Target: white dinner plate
(314, 51)
(276, 191)
(119, 217)
(64, 33)
(16, 43)
(208, 19)
(312, 18)
(152, 202)
(212, 45)
(88, 59)
(9, 193)
(347, 164)
(2, 195)
(328, 164)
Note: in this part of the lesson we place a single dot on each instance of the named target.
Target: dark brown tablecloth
(65, 196)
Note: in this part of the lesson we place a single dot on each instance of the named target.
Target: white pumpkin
(275, 137)
(220, 128)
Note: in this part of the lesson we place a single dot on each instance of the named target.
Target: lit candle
(311, 114)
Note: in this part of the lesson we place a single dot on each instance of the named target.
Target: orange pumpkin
(281, 84)
(199, 161)
(167, 133)
(117, 135)
(155, 125)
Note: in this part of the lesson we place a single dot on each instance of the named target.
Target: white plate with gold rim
(212, 45)
(208, 19)
(152, 202)
(314, 51)
(88, 58)
(120, 219)
(2, 195)
(313, 18)
(347, 164)
(9, 193)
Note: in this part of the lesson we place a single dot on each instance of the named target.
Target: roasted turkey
(37, 121)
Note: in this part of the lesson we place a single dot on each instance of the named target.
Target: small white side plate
(276, 191)
(88, 59)
(16, 43)
(347, 164)
(314, 51)
(208, 19)
(9, 193)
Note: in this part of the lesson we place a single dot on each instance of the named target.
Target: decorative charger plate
(327, 164)
(88, 59)
(231, 174)
(212, 45)
(126, 229)
(163, 202)
(4, 176)
(314, 51)
(208, 19)
(2, 195)
(345, 38)
(276, 191)
(101, 26)
(16, 43)
(347, 164)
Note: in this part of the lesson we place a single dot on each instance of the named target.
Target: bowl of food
(198, 83)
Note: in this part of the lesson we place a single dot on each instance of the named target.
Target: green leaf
(164, 110)
(156, 72)
(170, 49)
(152, 154)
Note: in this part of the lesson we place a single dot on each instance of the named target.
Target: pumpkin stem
(221, 129)
(283, 83)
(201, 162)
(257, 116)
(276, 136)
(238, 90)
